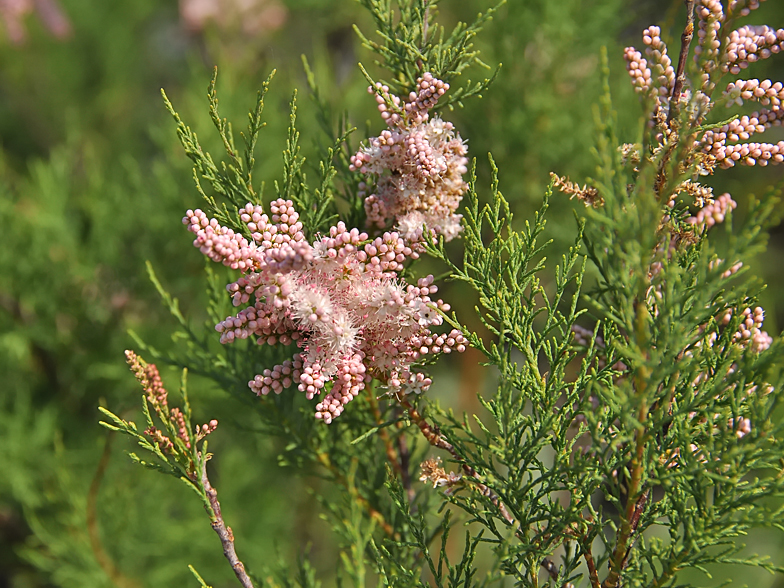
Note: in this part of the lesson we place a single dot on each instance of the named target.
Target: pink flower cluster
(745, 6)
(749, 44)
(340, 300)
(718, 52)
(750, 330)
(662, 64)
(638, 69)
(658, 83)
(417, 165)
(727, 155)
(713, 212)
(710, 15)
(720, 49)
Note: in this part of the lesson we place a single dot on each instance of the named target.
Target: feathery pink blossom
(416, 165)
(340, 299)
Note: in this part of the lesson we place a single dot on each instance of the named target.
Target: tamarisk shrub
(635, 432)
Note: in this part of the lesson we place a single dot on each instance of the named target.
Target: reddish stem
(224, 532)
(436, 439)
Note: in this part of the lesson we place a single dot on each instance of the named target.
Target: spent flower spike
(149, 377)
(340, 299)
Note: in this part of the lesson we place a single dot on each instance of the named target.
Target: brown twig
(224, 532)
(592, 573)
(680, 74)
(639, 507)
(637, 497)
(436, 439)
(634, 508)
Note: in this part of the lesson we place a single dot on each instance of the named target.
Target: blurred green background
(93, 183)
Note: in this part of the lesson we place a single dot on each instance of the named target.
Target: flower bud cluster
(419, 103)
(744, 7)
(205, 429)
(764, 92)
(710, 16)
(662, 64)
(749, 44)
(726, 146)
(159, 439)
(654, 78)
(178, 419)
(223, 245)
(384, 99)
(713, 213)
(714, 142)
(416, 165)
(149, 377)
(749, 335)
(340, 299)
(751, 154)
(750, 329)
(638, 69)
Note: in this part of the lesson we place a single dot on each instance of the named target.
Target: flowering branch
(180, 449)
(673, 395)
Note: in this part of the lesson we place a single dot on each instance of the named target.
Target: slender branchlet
(222, 530)
(683, 56)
